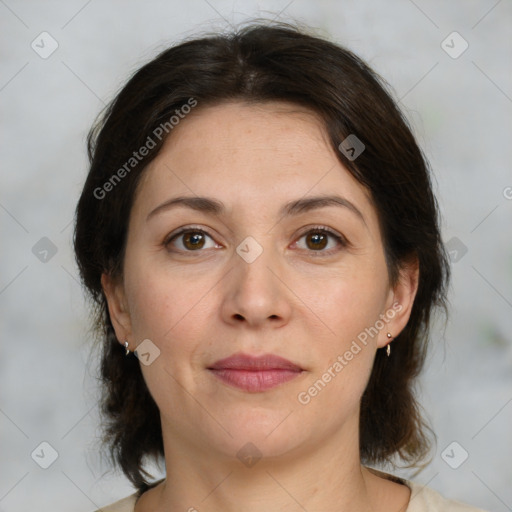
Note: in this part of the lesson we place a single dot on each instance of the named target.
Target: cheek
(161, 300)
(349, 307)
(176, 312)
(346, 302)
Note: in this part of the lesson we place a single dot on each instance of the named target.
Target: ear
(400, 302)
(117, 307)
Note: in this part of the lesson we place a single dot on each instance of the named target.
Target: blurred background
(61, 62)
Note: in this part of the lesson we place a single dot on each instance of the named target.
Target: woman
(260, 237)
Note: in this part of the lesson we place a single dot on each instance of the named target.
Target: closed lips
(252, 363)
(255, 374)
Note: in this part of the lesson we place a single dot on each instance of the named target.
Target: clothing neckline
(414, 488)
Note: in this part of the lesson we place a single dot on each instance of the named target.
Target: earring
(388, 347)
(126, 347)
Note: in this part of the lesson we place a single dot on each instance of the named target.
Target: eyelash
(342, 241)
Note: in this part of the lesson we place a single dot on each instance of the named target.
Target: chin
(261, 431)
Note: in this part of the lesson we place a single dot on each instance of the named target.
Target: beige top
(423, 499)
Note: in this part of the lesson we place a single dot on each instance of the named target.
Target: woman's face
(273, 249)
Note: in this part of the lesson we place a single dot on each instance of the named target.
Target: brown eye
(320, 240)
(193, 240)
(190, 240)
(316, 241)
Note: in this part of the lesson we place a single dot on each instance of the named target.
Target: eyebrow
(217, 208)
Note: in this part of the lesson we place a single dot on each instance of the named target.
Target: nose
(255, 294)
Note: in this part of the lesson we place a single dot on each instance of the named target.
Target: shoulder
(125, 505)
(425, 499)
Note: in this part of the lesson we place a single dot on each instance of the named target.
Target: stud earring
(388, 347)
(126, 347)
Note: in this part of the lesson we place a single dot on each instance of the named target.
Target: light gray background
(461, 112)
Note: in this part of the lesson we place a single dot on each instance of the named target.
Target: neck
(328, 476)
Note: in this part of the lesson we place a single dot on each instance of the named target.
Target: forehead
(249, 155)
(230, 133)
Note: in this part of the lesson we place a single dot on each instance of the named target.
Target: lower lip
(255, 381)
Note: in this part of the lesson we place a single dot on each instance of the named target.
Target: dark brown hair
(258, 63)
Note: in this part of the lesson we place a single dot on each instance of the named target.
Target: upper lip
(241, 361)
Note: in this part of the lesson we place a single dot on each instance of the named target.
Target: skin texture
(294, 300)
